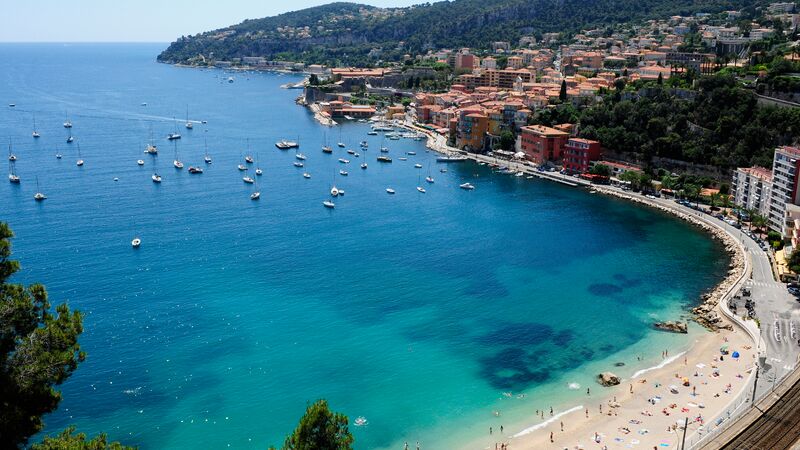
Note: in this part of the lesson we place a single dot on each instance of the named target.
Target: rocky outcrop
(608, 379)
(673, 327)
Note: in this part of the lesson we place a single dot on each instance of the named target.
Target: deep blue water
(416, 311)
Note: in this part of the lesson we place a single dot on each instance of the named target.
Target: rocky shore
(706, 313)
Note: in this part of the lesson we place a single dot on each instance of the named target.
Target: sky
(138, 20)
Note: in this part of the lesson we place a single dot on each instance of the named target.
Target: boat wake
(663, 363)
(547, 422)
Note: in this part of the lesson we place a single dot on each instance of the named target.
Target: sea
(429, 317)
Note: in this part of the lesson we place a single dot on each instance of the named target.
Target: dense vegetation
(716, 122)
(39, 350)
(349, 33)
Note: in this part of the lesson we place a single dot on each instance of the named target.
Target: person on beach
(601, 408)
(501, 428)
(551, 437)
(562, 426)
(551, 410)
(405, 446)
(490, 430)
(587, 413)
(631, 389)
(587, 391)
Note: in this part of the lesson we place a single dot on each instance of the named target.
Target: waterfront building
(579, 154)
(542, 144)
(785, 169)
(751, 189)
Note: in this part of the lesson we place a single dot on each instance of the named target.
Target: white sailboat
(206, 158)
(177, 161)
(419, 186)
(174, 135)
(259, 172)
(70, 138)
(12, 173)
(38, 196)
(256, 193)
(248, 158)
(189, 124)
(35, 133)
(67, 122)
(155, 177)
(79, 162)
(151, 149)
(11, 155)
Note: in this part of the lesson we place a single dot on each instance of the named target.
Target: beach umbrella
(735, 354)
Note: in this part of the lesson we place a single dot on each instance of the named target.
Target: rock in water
(673, 327)
(608, 379)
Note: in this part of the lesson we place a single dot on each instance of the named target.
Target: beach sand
(632, 421)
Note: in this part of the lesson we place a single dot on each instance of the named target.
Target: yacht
(248, 180)
(411, 153)
(306, 175)
(248, 159)
(351, 151)
(418, 166)
(344, 161)
(466, 186)
(429, 179)
(140, 162)
(255, 195)
(327, 149)
(300, 156)
(343, 173)
(195, 170)
(298, 164)
(384, 159)
(286, 145)
(373, 133)
(328, 204)
(364, 165)
(403, 158)
(136, 242)
(341, 144)
(421, 189)
(389, 191)
(156, 178)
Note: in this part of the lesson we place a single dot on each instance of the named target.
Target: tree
(67, 440)
(38, 351)
(507, 140)
(320, 429)
(794, 261)
(562, 95)
(600, 170)
(758, 221)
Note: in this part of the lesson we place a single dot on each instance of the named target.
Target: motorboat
(443, 170)
(178, 164)
(285, 145)
(248, 180)
(351, 151)
(300, 156)
(248, 159)
(418, 166)
(389, 191)
(195, 170)
(363, 144)
(306, 175)
(467, 186)
(241, 167)
(384, 159)
(343, 173)
(255, 195)
(372, 133)
(327, 149)
(328, 204)
(341, 144)
(421, 189)
(344, 161)
(429, 179)
(139, 162)
(156, 178)
(136, 242)
(298, 164)
(259, 172)
(403, 158)
(364, 165)
(173, 136)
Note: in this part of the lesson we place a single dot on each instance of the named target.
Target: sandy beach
(649, 410)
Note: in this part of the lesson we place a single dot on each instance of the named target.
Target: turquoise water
(416, 311)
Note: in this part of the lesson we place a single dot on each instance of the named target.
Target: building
(751, 189)
(542, 144)
(472, 129)
(580, 153)
(785, 168)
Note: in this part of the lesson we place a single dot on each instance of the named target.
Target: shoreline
(711, 314)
